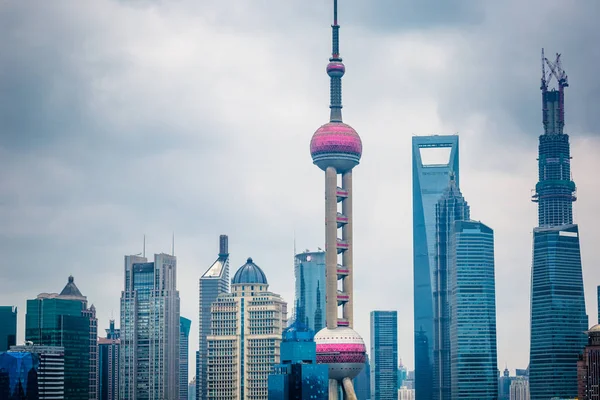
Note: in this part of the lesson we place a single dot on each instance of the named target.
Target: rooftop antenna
(144, 249)
(173, 245)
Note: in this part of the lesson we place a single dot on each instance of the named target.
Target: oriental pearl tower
(336, 148)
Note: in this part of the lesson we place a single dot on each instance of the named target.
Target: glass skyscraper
(108, 363)
(149, 356)
(362, 382)
(558, 316)
(384, 355)
(64, 320)
(451, 207)
(472, 298)
(184, 352)
(429, 182)
(8, 327)
(214, 282)
(309, 271)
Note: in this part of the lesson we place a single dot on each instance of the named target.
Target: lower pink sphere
(343, 350)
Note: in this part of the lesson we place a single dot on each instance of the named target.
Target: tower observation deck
(336, 148)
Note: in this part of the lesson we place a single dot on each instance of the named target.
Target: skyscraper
(519, 388)
(40, 370)
(362, 382)
(298, 376)
(65, 320)
(504, 385)
(336, 148)
(149, 356)
(8, 327)
(588, 366)
(474, 365)
(450, 207)
(558, 317)
(108, 363)
(184, 352)
(309, 272)
(214, 282)
(429, 182)
(405, 393)
(245, 338)
(384, 355)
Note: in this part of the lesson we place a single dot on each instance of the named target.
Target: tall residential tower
(214, 282)
(336, 148)
(429, 182)
(558, 317)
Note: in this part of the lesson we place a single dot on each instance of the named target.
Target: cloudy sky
(125, 118)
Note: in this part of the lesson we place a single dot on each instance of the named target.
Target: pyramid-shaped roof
(71, 289)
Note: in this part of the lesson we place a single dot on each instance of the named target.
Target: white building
(405, 393)
(246, 328)
(519, 389)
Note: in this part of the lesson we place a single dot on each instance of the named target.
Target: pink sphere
(337, 145)
(343, 350)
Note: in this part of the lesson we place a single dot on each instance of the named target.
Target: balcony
(341, 194)
(341, 220)
(342, 297)
(343, 322)
(342, 246)
(342, 271)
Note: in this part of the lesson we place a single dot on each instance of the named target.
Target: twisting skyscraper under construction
(336, 148)
(558, 318)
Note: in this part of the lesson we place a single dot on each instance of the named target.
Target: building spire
(335, 70)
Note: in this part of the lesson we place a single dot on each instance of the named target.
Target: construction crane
(562, 79)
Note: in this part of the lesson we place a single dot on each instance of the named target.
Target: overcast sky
(125, 118)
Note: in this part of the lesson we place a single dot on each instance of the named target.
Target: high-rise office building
(184, 352)
(298, 376)
(214, 281)
(519, 388)
(108, 363)
(450, 207)
(430, 179)
(402, 374)
(33, 372)
(149, 354)
(362, 382)
(405, 393)
(558, 317)
(8, 327)
(192, 389)
(504, 385)
(309, 271)
(65, 320)
(336, 149)
(384, 355)
(474, 365)
(244, 343)
(588, 367)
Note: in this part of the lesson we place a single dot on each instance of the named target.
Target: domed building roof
(249, 273)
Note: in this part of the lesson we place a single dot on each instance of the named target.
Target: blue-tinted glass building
(108, 363)
(558, 316)
(184, 335)
(451, 207)
(362, 382)
(384, 355)
(298, 376)
(214, 281)
(8, 327)
(472, 298)
(429, 182)
(18, 375)
(309, 271)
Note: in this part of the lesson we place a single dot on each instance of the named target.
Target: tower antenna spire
(335, 69)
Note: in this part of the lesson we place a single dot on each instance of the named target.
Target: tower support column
(331, 246)
(347, 257)
(334, 390)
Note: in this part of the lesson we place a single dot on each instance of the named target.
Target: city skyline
(101, 223)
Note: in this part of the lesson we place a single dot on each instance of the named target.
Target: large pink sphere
(337, 145)
(343, 350)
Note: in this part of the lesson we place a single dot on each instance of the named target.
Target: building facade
(149, 353)
(450, 207)
(429, 182)
(33, 372)
(65, 320)
(588, 367)
(245, 340)
(405, 393)
(309, 273)
(298, 376)
(108, 363)
(504, 382)
(184, 353)
(214, 281)
(474, 365)
(362, 382)
(384, 355)
(558, 316)
(8, 327)
(519, 388)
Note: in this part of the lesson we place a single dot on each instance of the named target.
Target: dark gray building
(8, 327)
(108, 363)
(384, 353)
(214, 282)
